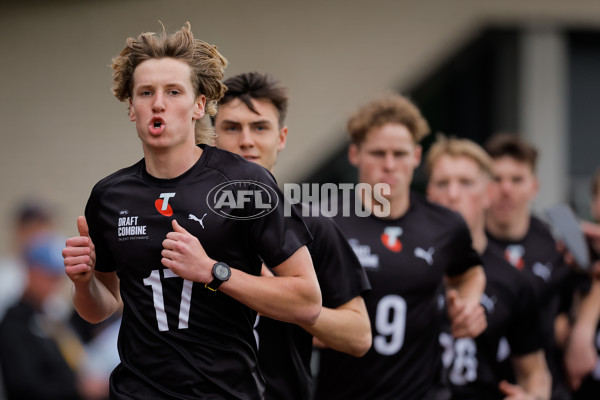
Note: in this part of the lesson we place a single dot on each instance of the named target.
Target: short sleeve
(280, 233)
(465, 256)
(524, 335)
(339, 272)
(104, 259)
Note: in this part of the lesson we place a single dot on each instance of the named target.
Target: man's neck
(171, 163)
(398, 205)
(515, 230)
(478, 236)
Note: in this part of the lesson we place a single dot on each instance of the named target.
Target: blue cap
(44, 251)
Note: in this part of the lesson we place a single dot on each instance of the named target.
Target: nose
(505, 185)
(246, 139)
(389, 162)
(453, 191)
(158, 103)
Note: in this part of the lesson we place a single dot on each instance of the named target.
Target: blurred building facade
(536, 81)
(473, 67)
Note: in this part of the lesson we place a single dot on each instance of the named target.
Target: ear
(418, 154)
(199, 107)
(353, 155)
(536, 187)
(282, 138)
(131, 112)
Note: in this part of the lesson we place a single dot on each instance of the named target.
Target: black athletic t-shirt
(405, 260)
(536, 256)
(284, 350)
(179, 340)
(471, 368)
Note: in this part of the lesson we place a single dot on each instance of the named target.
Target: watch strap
(214, 285)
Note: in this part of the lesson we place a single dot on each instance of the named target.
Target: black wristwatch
(221, 272)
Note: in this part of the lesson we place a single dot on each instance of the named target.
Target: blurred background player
(34, 217)
(407, 254)
(31, 216)
(526, 242)
(251, 122)
(595, 190)
(582, 361)
(40, 354)
(460, 172)
(592, 230)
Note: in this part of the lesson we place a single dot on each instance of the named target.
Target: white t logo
(393, 233)
(166, 197)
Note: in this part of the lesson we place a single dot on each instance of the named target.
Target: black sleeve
(280, 233)
(524, 335)
(465, 256)
(573, 282)
(340, 274)
(104, 259)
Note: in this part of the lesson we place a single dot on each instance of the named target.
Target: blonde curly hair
(207, 64)
(391, 108)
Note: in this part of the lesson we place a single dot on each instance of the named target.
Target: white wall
(62, 130)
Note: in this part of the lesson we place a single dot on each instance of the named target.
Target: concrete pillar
(543, 109)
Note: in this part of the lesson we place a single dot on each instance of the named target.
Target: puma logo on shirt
(194, 218)
(425, 255)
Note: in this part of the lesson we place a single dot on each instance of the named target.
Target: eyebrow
(262, 121)
(152, 85)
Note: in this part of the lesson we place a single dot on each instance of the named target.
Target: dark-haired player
(189, 278)
(526, 242)
(408, 253)
(250, 122)
(582, 357)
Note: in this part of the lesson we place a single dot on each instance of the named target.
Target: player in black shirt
(158, 228)
(250, 122)
(582, 362)
(408, 246)
(526, 242)
(460, 172)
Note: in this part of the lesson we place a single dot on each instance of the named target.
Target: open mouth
(157, 126)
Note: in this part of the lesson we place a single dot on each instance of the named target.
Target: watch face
(221, 271)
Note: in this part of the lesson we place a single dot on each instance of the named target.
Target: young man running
(460, 173)
(527, 243)
(251, 122)
(185, 265)
(407, 254)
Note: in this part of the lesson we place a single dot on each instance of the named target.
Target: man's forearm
(470, 284)
(538, 385)
(293, 296)
(589, 310)
(346, 328)
(290, 299)
(94, 301)
(532, 374)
